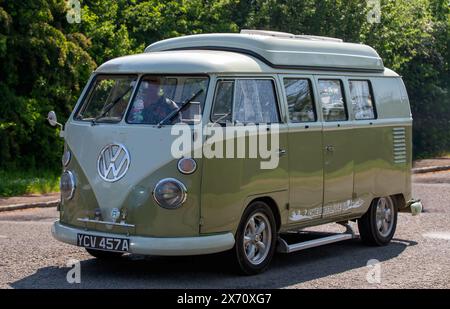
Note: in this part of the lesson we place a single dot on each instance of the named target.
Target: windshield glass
(158, 96)
(108, 98)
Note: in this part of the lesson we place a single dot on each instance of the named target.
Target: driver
(157, 106)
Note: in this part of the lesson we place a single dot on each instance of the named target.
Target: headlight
(170, 193)
(67, 185)
(66, 157)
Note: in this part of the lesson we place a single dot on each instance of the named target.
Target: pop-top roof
(283, 50)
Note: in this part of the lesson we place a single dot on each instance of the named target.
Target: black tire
(257, 209)
(104, 255)
(367, 224)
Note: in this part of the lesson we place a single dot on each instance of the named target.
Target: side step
(284, 247)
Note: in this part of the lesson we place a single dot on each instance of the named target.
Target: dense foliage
(45, 60)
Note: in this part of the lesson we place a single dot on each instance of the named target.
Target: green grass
(14, 183)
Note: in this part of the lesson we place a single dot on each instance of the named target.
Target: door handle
(329, 148)
(282, 152)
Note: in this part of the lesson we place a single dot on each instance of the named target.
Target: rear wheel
(377, 226)
(104, 255)
(255, 239)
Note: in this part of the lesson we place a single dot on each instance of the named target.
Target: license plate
(103, 243)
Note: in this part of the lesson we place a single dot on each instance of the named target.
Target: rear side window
(362, 99)
(332, 100)
(300, 100)
(245, 101)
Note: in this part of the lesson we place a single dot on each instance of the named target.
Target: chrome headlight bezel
(67, 195)
(182, 169)
(161, 201)
(66, 157)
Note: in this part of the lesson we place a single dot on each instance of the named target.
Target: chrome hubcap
(257, 238)
(385, 216)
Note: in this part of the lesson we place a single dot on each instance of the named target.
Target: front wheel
(255, 239)
(377, 226)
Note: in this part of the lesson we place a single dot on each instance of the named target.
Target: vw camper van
(334, 122)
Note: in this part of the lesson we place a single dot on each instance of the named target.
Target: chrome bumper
(154, 245)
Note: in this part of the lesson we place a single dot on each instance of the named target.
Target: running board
(284, 247)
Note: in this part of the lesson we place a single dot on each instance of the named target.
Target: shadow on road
(215, 271)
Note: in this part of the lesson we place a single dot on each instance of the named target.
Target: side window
(245, 101)
(191, 86)
(332, 100)
(362, 99)
(255, 101)
(300, 100)
(192, 113)
(170, 87)
(223, 102)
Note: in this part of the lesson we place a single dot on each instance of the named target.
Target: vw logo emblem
(113, 162)
(115, 213)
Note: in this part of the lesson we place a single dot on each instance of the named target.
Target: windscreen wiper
(179, 109)
(111, 105)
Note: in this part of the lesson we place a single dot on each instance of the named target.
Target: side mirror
(52, 119)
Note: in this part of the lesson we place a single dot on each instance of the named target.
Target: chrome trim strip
(87, 220)
(305, 127)
(384, 122)
(284, 247)
(353, 124)
(333, 126)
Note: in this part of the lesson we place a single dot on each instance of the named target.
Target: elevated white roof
(282, 50)
(193, 62)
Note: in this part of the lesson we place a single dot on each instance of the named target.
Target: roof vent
(318, 38)
(269, 33)
(287, 35)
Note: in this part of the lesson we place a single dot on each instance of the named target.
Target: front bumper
(154, 245)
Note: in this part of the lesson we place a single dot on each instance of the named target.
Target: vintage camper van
(338, 131)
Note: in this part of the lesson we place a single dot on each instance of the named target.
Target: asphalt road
(418, 257)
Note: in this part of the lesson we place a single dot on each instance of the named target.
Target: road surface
(418, 257)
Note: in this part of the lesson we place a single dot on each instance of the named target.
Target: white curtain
(361, 100)
(247, 103)
(255, 101)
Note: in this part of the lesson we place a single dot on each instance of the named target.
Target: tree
(411, 38)
(45, 70)
(45, 61)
